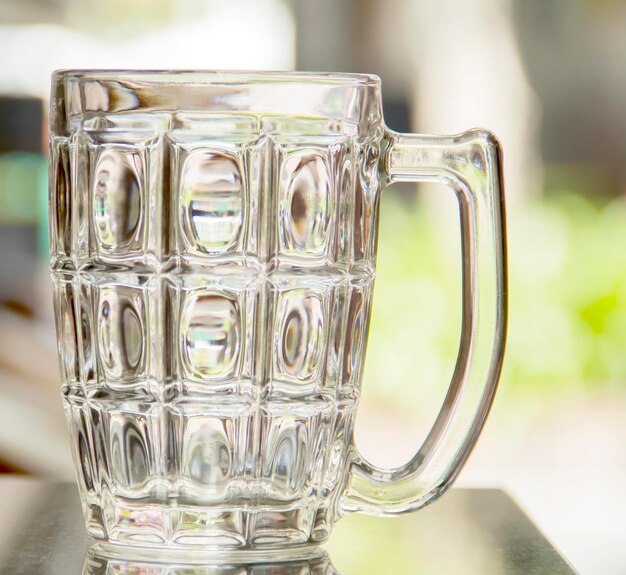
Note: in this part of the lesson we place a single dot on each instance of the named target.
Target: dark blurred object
(346, 46)
(21, 173)
(10, 468)
(18, 250)
(336, 50)
(21, 124)
(574, 58)
(23, 186)
(397, 114)
(22, 165)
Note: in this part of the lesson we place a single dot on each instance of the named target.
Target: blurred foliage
(567, 298)
(23, 181)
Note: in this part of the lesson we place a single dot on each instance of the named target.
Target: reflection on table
(315, 561)
(469, 531)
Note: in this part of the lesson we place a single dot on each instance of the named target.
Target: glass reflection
(308, 561)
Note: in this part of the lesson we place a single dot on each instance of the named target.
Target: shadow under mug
(213, 243)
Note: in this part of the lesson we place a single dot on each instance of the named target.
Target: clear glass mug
(213, 243)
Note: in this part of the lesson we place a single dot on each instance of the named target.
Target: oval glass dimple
(292, 338)
(344, 228)
(210, 327)
(300, 333)
(130, 449)
(63, 195)
(121, 333)
(354, 338)
(207, 457)
(68, 333)
(137, 454)
(117, 185)
(307, 194)
(288, 457)
(82, 445)
(86, 341)
(132, 331)
(211, 188)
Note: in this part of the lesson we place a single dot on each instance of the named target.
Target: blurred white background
(548, 78)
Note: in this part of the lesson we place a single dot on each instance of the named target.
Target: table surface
(468, 531)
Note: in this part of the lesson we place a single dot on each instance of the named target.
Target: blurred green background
(547, 77)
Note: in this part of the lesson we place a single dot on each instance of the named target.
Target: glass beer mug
(213, 246)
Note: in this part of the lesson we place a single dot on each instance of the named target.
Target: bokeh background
(548, 77)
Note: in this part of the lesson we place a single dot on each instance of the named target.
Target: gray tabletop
(468, 531)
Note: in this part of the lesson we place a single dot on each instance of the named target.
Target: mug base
(116, 551)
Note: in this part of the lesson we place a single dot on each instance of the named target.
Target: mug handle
(470, 164)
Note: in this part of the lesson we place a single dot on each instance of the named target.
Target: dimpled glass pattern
(212, 301)
(213, 241)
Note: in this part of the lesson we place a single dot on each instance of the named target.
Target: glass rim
(217, 76)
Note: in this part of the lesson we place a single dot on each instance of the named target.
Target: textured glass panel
(211, 194)
(299, 335)
(306, 197)
(117, 190)
(130, 449)
(121, 327)
(218, 178)
(355, 335)
(210, 335)
(60, 199)
(211, 317)
(366, 186)
(66, 328)
(311, 181)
